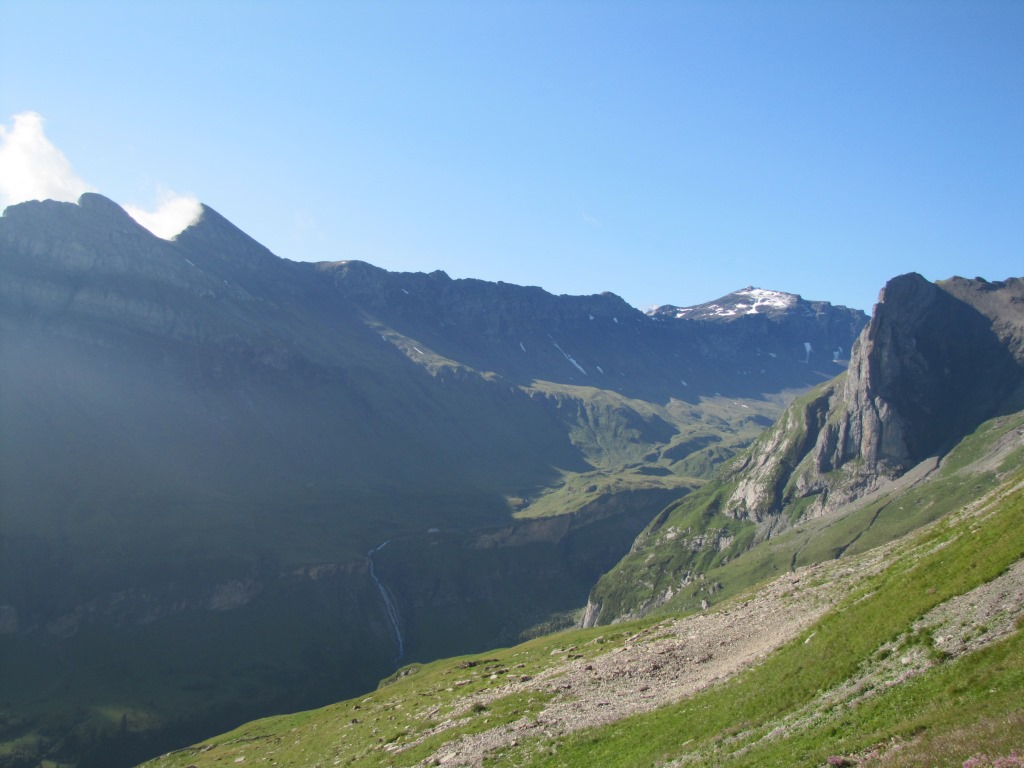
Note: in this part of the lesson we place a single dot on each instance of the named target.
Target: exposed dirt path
(676, 658)
(668, 661)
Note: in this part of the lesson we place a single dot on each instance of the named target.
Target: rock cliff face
(934, 362)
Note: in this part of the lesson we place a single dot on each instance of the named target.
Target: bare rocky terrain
(665, 662)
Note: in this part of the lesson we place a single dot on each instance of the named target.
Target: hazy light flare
(32, 168)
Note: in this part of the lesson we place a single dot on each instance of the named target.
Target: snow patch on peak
(568, 357)
(765, 298)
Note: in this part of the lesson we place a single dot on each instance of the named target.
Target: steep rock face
(762, 476)
(935, 361)
(929, 367)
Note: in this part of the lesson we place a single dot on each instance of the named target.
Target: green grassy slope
(743, 721)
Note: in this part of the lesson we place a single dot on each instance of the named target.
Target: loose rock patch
(665, 662)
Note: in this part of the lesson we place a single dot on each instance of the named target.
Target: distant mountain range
(204, 449)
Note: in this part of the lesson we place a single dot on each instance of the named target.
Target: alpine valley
(234, 486)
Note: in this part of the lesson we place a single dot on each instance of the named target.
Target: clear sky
(669, 152)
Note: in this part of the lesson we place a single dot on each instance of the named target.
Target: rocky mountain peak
(65, 249)
(935, 361)
(746, 301)
(214, 235)
(101, 206)
(41, 227)
(929, 367)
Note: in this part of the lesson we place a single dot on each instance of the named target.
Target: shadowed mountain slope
(863, 609)
(201, 444)
(906, 654)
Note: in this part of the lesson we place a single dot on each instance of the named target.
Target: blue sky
(669, 152)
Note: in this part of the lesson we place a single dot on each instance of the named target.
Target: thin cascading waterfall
(390, 606)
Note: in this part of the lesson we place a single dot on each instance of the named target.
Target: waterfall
(389, 603)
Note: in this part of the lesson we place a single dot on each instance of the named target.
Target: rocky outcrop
(935, 362)
(929, 367)
(763, 475)
(932, 364)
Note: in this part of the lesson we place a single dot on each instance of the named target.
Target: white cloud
(172, 215)
(31, 168)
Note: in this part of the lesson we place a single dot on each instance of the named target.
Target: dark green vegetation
(200, 443)
(819, 696)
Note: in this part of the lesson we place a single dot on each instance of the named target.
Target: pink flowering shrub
(1012, 760)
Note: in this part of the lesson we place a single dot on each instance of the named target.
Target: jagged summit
(93, 211)
(215, 235)
(931, 364)
(101, 211)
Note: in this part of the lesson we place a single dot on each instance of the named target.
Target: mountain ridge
(201, 439)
